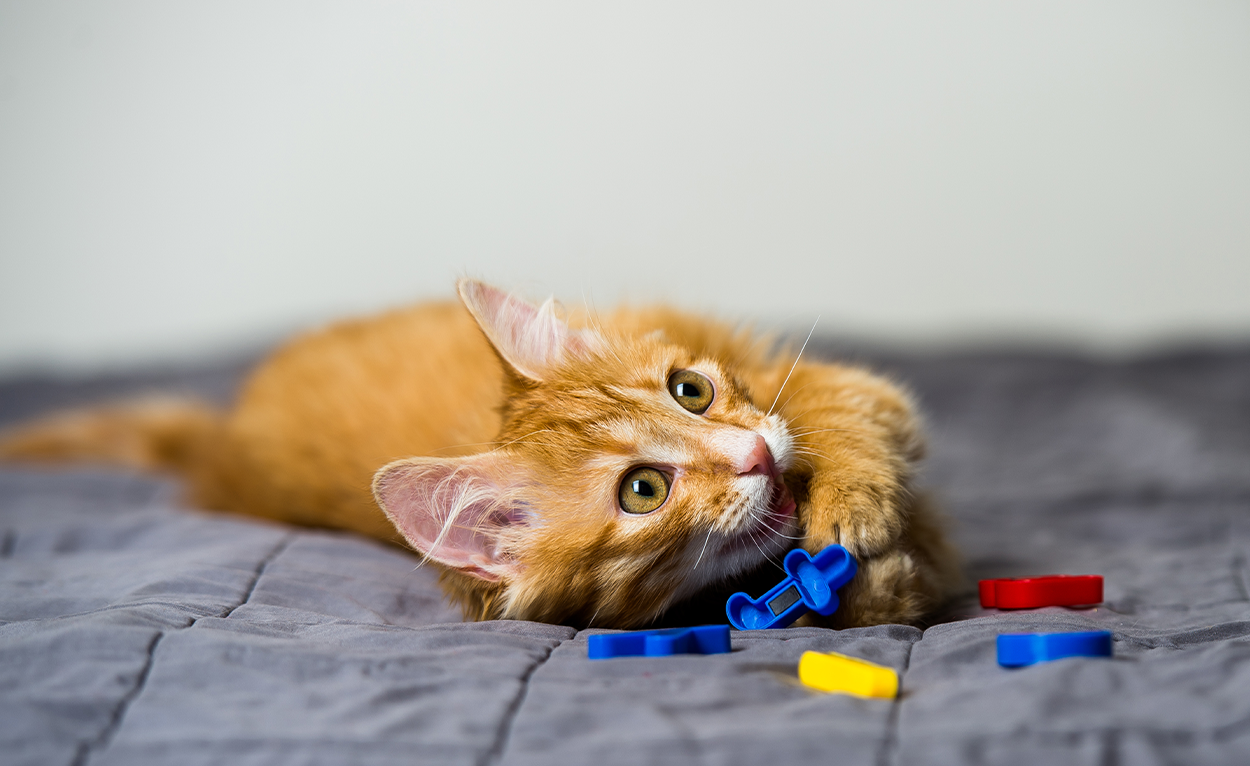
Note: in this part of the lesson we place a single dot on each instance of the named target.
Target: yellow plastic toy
(833, 672)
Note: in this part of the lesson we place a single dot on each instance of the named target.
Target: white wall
(181, 177)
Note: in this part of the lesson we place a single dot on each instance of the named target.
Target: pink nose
(757, 460)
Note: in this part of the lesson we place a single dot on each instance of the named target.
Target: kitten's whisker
(459, 446)
(813, 452)
(818, 456)
(526, 436)
(705, 542)
(774, 515)
(796, 364)
(755, 536)
(813, 431)
(498, 444)
(790, 398)
(768, 558)
(809, 450)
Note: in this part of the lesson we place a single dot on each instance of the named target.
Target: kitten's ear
(455, 511)
(532, 339)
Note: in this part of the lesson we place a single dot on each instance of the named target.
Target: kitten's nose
(757, 460)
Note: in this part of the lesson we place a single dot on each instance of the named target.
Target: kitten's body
(525, 427)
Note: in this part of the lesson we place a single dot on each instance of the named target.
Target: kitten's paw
(864, 523)
(885, 590)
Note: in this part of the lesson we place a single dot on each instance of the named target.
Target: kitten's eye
(643, 490)
(692, 390)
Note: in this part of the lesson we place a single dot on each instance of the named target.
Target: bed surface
(134, 630)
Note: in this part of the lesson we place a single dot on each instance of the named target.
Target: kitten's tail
(148, 434)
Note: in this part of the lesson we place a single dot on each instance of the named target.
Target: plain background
(178, 179)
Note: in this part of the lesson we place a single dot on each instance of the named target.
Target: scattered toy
(812, 584)
(833, 672)
(1019, 649)
(707, 639)
(1034, 592)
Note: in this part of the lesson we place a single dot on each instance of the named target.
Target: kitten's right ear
(532, 339)
(456, 511)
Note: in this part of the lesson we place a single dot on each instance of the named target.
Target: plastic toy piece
(812, 585)
(1033, 592)
(708, 639)
(1015, 650)
(833, 672)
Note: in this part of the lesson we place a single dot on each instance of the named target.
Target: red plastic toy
(1033, 592)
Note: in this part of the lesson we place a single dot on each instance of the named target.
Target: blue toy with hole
(812, 585)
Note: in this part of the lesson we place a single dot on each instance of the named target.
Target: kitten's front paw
(885, 590)
(864, 523)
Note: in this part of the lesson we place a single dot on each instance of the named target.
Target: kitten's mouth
(782, 504)
(775, 524)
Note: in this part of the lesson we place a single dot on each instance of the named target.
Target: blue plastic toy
(812, 585)
(708, 639)
(1015, 650)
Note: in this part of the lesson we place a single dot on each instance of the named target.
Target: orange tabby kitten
(562, 471)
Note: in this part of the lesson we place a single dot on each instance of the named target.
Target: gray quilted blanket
(134, 630)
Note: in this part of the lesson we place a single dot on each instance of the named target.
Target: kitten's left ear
(456, 510)
(532, 339)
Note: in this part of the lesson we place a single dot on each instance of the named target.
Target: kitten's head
(629, 473)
